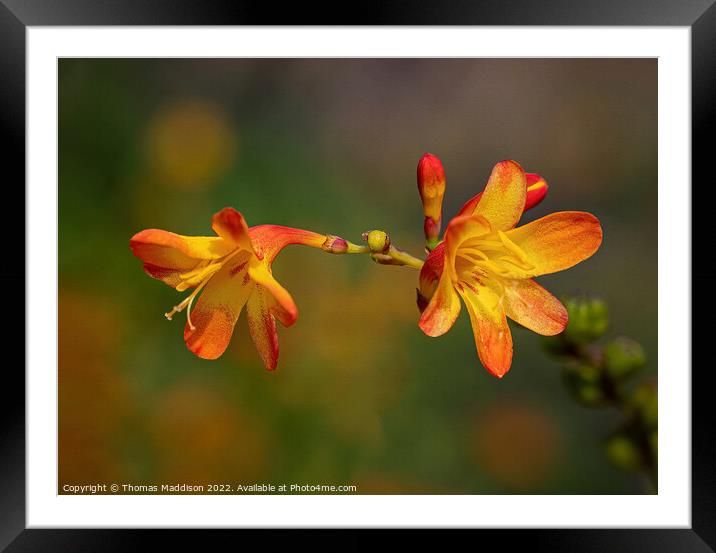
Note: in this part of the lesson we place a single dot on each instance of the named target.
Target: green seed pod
(624, 357)
(588, 319)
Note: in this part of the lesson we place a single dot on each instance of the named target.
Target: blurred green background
(360, 396)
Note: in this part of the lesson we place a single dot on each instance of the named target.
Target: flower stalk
(483, 260)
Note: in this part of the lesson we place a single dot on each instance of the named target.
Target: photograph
(357, 276)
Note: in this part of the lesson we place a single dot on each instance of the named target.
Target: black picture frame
(16, 15)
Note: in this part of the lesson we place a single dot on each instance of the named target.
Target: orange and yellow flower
(231, 270)
(491, 265)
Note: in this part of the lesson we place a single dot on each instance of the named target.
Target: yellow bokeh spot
(190, 144)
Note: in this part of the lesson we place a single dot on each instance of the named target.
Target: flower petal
(167, 255)
(262, 326)
(218, 308)
(271, 239)
(503, 200)
(536, 192)
(530, 305)
(167, 249)
(431, 271)
(283, 307)
(489, 326)
(556, 242)
(231, 226)
(443, 309)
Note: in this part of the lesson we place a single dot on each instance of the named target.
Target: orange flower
(490, 264)
(230, 270)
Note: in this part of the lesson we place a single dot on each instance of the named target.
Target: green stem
(380, 250)
(404, 258)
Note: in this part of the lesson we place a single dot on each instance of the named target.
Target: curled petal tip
(230, 225)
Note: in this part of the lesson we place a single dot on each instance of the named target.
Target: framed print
(420, 272)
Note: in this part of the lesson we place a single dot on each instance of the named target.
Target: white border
(671, 507)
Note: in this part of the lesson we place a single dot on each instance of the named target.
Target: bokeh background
(360, 396)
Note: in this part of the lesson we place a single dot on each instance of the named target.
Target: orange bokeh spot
(519, 445)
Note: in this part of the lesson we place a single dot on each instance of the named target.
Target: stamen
(482, 255)
(482, 243)
(186, 304)
(199, 277)
(470, 258)
(512, 247)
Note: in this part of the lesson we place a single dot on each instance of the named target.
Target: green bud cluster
(585, 384)
(588, 320)
(599, 375)
(624, 357)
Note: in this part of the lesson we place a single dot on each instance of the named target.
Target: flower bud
(378, 241)
(623, 452)
(623, 357)
(585, 384)
(588, 319)
(536, 190)
(431, 185)
(644, 403)
(335, 244)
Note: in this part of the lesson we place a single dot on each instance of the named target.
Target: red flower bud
(536, 190)
(431, 185)
(335, 244)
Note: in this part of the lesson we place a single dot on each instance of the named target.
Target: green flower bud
(588, 319)
(623, 452)
(644, 402)
(585, 384)
(624, 357)
(378, 241)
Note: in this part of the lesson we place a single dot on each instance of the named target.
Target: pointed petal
(443, 309)
(503, 200)
(262, 326)
(167, 255)
(489, 326)
(536, 192)
(556, 242)
(271, 239)
(218, 308)
(231, 226)
(283, 307)
(166, 249)
(530, 305)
